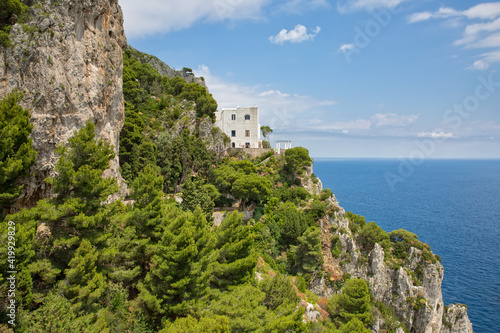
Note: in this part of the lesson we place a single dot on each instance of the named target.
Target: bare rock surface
(68, 62)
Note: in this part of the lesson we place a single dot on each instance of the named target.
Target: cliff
(410, 287)
(68, 61)
(165, 69)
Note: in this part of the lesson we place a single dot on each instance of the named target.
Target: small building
(241, 125)
(282, 145)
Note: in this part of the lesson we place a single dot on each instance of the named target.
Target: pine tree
(16, 152)
(84, 286)
(236, 258)
(80, 167)
(353, 303)
(307, 255)
(179, 273)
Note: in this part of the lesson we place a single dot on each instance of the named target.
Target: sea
(453, 205)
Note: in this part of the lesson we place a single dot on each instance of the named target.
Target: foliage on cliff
(10, 12)
(16, 152)
(157, 108)
(153, 264)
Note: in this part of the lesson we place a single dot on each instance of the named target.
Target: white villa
(241, 125)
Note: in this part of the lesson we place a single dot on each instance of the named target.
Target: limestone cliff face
(416, 299)
(417, 302)
(68, 61)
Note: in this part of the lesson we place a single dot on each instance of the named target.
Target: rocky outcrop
(68, 61)
(165, 69)
(412, 290)
(211, 135)
(456, 320)
(311, 183)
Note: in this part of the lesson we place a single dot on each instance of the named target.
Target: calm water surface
(453, 205)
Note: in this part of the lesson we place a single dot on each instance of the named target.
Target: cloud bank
(147, 17)
(482, 35)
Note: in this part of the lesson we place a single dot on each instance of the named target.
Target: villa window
(247, 117)
(247, 133)
(233, 145)
(233, 133)
(233, 117)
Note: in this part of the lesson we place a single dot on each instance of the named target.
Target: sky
(409, 79)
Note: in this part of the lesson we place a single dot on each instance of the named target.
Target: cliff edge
(67, 59)
(408, 282)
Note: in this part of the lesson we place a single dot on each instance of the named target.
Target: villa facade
(241, 125)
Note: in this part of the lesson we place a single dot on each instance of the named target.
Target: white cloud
(419, 17)
(393, 120)
(279, 110)
(297, 35)
(273, 92)
(354, 5)
(346, 47)
(436, 135)
(476, 35)
(146, 17)
(472, 32)
(484, 11)
(479, 65)
(388, 124)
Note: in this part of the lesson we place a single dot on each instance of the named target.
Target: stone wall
(254, 152)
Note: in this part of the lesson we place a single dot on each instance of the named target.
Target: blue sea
(453, 205)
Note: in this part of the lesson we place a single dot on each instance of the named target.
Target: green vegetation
(159, 261)
(297, 159)
(16, 152)
(266, 131)
(353, 303)
(155, 106)
(10, 12)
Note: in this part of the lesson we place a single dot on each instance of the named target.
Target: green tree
(279, 290)
(235, 255)
(288, 223)
(195, 193)
(179, 273)
(296, 160)
(16, 152)
(355, 221)
(353, 303)
(83, 285)
(149, 208)
(266, 131)
(307, 256)
(215, 324)
(147, 187)
(371, 234)
(179, 155)
(80, 167)
(206, 106)
(251, 188)
(10, 11)
(353, 326)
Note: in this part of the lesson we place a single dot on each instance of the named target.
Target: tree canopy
(16, 152)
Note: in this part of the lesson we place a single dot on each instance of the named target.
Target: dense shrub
(371, 234)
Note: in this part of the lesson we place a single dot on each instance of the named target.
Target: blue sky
(349, 78)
